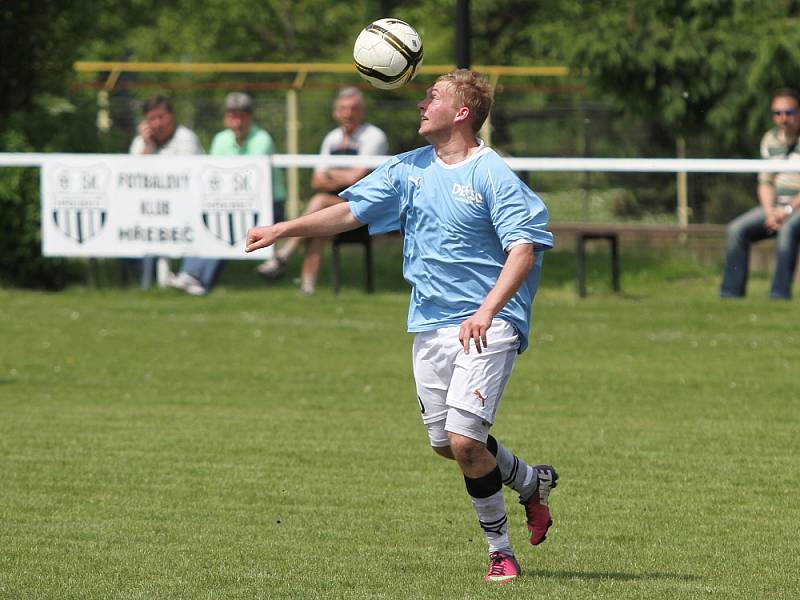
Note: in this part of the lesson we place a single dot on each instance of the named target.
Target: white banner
(131, 206)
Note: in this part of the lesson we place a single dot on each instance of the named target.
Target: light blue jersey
(457, 222)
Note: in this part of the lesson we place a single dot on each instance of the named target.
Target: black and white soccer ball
(388, 53)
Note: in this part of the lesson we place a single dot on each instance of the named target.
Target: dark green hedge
(55, 126)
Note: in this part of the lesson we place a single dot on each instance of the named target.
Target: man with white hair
(353, 137)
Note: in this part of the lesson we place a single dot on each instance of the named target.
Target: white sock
(486, 493)
(491, 513)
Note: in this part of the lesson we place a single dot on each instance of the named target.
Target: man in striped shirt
(778, 212)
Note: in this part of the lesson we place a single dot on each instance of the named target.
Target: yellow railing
(301, 72)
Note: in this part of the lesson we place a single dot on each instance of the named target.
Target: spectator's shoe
(536, 508)
(196, 289)
(272, 269)
(179, 281)
(503, 568)
(186, 283)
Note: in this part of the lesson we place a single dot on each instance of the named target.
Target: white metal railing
(681, 166)
(624, 165)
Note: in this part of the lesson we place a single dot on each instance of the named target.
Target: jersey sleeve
(375, 200)
(517, 213)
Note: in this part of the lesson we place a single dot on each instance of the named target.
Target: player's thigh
(433, 360)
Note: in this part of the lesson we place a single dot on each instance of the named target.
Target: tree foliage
(696, 67)
(699, 69)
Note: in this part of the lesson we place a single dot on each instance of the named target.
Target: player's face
(239, 122)
(437, 111)
(349, 113)
(161, 123)
(786, 115)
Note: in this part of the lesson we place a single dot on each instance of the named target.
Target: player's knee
(466, 450)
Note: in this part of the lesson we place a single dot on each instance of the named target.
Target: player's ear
(462, 114)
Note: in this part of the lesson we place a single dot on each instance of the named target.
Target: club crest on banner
(230, 202)
(80, 200)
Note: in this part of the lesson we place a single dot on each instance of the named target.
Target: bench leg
(580, 255)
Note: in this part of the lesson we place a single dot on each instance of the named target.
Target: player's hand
(260, 237)
(475, 329)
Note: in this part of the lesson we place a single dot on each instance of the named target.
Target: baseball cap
(238, 101)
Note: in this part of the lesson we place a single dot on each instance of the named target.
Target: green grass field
(256, 444)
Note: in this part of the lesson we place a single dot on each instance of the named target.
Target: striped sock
(515, 472)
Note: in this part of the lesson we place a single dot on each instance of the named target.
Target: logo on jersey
(466, 193)
(415, 181)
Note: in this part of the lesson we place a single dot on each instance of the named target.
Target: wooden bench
(611, 233)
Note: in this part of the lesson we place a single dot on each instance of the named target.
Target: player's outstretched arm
(324, 223)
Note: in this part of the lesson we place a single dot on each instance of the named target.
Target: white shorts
(458, 392)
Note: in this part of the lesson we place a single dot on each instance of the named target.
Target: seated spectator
(159, 133)
(240, 137)
(353, 136)
(778, 213)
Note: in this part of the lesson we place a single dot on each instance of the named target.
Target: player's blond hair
(473, 90)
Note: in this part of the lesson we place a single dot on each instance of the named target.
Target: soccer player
(473, 236)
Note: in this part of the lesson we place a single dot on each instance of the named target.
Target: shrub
(56, 127)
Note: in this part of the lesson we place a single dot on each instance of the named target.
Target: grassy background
(256, 444)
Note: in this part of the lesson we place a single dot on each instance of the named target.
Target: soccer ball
(388, 53)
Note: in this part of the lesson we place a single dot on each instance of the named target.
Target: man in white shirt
(353, 137)
(160, 133)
